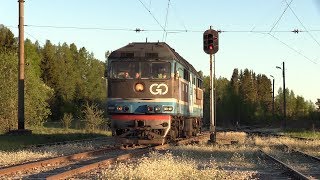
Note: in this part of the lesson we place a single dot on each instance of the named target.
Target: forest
(62, 80)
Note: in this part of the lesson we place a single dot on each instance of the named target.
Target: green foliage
(8, 80)
(93, 117)
(247, 100)
(8, 91)
(67, 120)
(58, 80)
(37, 93)
(7, 41)
(75, 75)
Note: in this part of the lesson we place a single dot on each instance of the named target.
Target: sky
(255, 34)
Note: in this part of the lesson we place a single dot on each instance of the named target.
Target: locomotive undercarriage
(139, 133)
(182, 127)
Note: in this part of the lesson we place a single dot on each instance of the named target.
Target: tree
(7, 40)
(8, 91)
(37, 93)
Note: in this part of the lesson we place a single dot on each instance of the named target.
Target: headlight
(139, 87)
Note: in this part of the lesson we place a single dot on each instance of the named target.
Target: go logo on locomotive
(160, 89)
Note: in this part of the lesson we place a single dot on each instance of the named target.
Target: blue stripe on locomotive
(142, 108)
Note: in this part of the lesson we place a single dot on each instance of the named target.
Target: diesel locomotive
(154, 94)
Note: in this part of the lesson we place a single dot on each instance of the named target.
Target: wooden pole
(21, 68)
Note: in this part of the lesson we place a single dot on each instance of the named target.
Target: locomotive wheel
(173, 133)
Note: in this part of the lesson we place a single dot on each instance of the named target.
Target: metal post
(212, 106)
(273, 99)
(284, 97)
(21, 68)
(214, 94)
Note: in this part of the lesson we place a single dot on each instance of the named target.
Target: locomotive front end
(154, 94)
(140, 99)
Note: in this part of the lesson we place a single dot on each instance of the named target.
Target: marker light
(150, 108)
(157, 109)
(119, 108)
(167, 108)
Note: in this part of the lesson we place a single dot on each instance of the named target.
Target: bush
(66, 120)
(93, 117)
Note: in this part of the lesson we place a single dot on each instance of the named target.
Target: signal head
(210, 41)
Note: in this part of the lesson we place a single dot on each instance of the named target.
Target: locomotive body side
(149, 102)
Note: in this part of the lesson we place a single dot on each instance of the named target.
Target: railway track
(295, 163)
(68, 166)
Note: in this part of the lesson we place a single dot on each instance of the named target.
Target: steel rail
(108, 161)
(193, 139)
(294, 172)
(42, 163)
(306, 155)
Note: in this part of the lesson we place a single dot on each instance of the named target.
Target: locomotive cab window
(124, 70)
(137, 70)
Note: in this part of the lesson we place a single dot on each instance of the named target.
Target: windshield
(139, 70)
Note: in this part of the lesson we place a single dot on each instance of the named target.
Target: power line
(168, 30)
(293, 49)
(178, 17)
(284, 11)
(183, 31)
(34, 38)
(165, 24)
(302, 24)
(152, 15)
(80, 28)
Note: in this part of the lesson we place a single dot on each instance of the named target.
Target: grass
(169, 166)
(235, 161)
(201, 161)
(304, 134)
(43, 135)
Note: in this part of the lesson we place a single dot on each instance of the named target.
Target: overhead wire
(168, 30)
(78, 27)
(152, 15)
(284, 11)
(183, 31)
(164, 36)
(34, 38)
(293, 49)
(302, 24)
(178, 17)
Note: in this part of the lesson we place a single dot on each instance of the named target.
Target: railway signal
(210, 41)
(211, 46)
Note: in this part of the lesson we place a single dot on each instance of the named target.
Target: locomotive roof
(150, 50)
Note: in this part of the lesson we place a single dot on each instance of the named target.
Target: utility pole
(272, 97)
(21, 68)
(284, 95)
